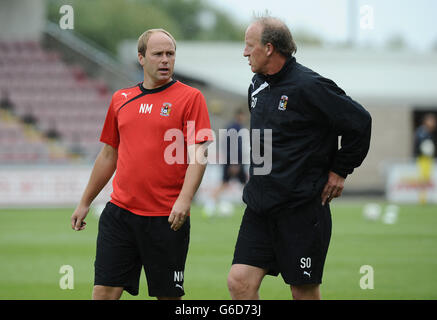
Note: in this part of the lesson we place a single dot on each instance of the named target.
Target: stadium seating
(48, 94)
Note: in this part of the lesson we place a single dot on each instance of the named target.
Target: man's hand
(333, 188)
(78, 217)
(103, 169)
(179, 213)
(197, 155)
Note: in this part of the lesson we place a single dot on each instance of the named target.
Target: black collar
(271, 78)
(155, 90)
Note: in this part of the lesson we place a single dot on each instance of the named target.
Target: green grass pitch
(35, 243)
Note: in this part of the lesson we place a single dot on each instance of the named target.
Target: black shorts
(126, 242)
(293, 243)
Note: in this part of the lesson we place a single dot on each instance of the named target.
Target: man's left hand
(179, 213)
(333, 188)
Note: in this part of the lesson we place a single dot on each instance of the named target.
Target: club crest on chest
(165, 109)
(283, 103)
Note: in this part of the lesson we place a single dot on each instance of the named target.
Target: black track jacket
(306, 113)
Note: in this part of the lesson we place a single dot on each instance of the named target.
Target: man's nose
(245, 52)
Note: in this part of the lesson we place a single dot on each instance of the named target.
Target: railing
(92, 51)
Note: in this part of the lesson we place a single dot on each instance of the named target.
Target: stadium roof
(363, 73)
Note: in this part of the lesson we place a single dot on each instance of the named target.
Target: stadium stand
(51, 111)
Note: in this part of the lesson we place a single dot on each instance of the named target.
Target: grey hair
(277, 33)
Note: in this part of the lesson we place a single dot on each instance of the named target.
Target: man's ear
(269, 48)
(141, 59)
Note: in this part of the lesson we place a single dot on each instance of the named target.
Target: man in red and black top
(146, 223)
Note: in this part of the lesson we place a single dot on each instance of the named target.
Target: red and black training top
(148, 127)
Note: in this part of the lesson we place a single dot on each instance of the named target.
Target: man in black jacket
(300, 115)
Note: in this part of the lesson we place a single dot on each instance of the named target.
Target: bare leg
(169, 298)
(107, 293)
(306, 292)
(244, 282)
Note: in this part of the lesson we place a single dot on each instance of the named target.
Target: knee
(107, 293)
(239, 287)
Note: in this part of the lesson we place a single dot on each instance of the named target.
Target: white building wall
(22, 20)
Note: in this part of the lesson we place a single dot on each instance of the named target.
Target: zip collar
(272, 78)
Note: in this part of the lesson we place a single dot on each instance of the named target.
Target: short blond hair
(144, 38)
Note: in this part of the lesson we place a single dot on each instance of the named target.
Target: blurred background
(60, 62)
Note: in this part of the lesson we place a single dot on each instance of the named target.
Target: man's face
(158, 62)
(431, 123)
(255, 51)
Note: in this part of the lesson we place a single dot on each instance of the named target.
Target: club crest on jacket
(283, 103)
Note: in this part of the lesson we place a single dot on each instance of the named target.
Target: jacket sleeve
(347, 118)
(249, 100)
(249, 94)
